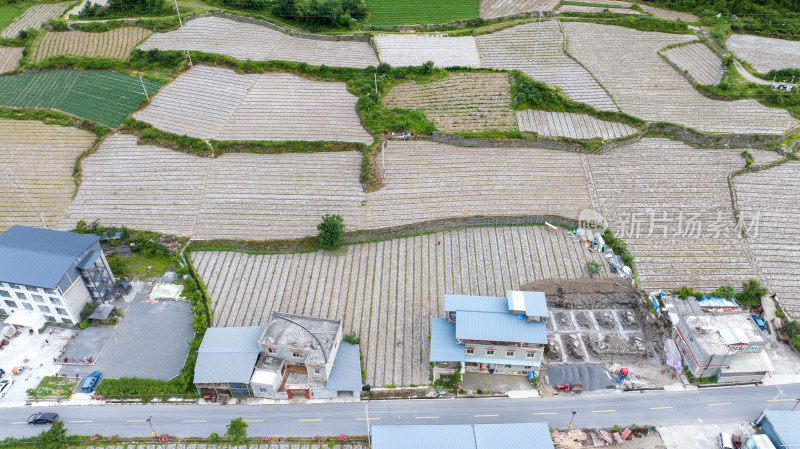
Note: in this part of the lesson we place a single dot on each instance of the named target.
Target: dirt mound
(552, 287)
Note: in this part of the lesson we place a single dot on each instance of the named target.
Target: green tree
(237, 431)
(286, 9)
(751, 293)
(593, 266)
(53, 438)
(331, 231)
(81, 227)
(117, 264)
(724, 291)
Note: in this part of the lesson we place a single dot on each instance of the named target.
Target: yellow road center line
(253, 420)
(721, 403)
(309, 420)
(20, 422)
(370, 419)
(483, 416)
(194, 420)
(134, 420)
(780, 400)
(603, 411)
(426, 417)
(659, 408)
(546, 413)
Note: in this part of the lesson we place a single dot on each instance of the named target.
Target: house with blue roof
(490, 334)
(52, 273)
(463, 436)
(782, 427)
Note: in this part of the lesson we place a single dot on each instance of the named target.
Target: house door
(305, 393)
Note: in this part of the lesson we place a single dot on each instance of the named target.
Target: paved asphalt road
(712, 405)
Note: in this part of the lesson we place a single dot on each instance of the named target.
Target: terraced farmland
(218, 103)
(667, 14)
(517, 48)
(462, 102)
(765, 54)
(387, 291)
(492, 9)
(644, 85)
(565, 124)
(237, 196)
(596, 9)
(103, 97)
(9, 58)
(773, 241)
(426, 180)
(116, 43)
(247, 41)
(699, 61)
(403, 12)
(34, 17)
(671, 204)
(39, 159)
(412, 50)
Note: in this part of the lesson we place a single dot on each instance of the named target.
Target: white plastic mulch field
(247, 41)
(567, 124)
(412, 50)
(36, 162)
(699, 61)
(536, 49)
(9, 58)
(492, 9)
(626, 61)
(217, 103)
(237, 196)
(764, 53)
(34, 17)
(387, 291)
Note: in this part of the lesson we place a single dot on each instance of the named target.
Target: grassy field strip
(765, 54)
(644, 85)
(387, 291)
(589, 9)
(246, 41)
(40, 158)
(9, 58)
(779, 224)
(515, 48)
(462, 102)
(412, 50)
(701, 62)
(34, 17)
(565, 124)
(224, 105)
(667, 14)
(116, 43)
(403, 12)
(492, 9)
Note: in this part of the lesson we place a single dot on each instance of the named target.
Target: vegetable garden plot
(406, 12)
(565, 124)
(34, 17)
(771, 196)
(492, 9)
(699, 61)
(387, 291)
(426, 180)
(461, 102)
(411, 50)
(536, 49)
(626, 61)
(765, 54)
(102, 97)
(236, 196)
(671, 204)
(218, 103)
(246, 41)
(39, 181)
(116, 43)
(9, 58)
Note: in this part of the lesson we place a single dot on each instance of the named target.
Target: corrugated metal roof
(89, 260)
(528, 435)
(734, 336)
(535, 302)
(716, 302)
(453, 303)
(787, 426)
(39, 257)
(227, 354)
(346, 372)
(498, 327)
(444, 347)
(457, 436)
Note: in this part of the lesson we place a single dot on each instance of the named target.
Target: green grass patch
(102, 97)
(640, 22)
(137, 266)
(8, 14)
(411, 12)
(597, 5)
(52, 387)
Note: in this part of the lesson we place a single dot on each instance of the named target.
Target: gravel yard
(764, 53)
(217, 103)
(492, 9)
(461, 102)
(34, 17)
(516, 48)
(9, 58)
(644, 85)
(247, 41)
(699, 61)
(116, 43)
(411, 50)
(566, 124)
(40, 159)
(387, 291)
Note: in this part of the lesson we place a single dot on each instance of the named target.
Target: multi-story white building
(54, 273)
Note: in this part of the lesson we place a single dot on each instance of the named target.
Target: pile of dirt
(553, 287)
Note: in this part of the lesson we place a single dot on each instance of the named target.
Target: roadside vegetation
(750, 295)
(772, 18)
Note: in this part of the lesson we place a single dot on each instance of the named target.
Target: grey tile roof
(444, 347)
(477, 436)
(498, 327)
(39, 257)
(346, 372)
(787, 426)
(227, 354)
(475, 303)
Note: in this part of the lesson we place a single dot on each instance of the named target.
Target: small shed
(27, 318)
(102, 312)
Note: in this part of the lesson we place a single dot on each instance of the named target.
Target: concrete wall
(76, 297)
(520, 354)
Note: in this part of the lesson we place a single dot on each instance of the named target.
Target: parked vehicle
(563, 387)
(5, 385)
(91, 382)
(759, 322)
(42, 418)
(724, 441)
(577, 387)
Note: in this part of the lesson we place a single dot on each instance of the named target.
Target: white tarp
(27, 318)
(166, 291)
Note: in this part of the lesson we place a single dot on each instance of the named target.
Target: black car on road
(42, 418)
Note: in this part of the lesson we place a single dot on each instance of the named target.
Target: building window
(21, 295)
(68, 321)
(61, 311)
(31, 289)
(13, 285)
(526, 367)
(55, 301)
(5, 294)
(297, 355)
(49, 318)
(470, 351)
(754, 348)
(509, 353)
(316, 371)
(37, 298)
(11, 303)
(508, 366)
(531, 355)
(271, 350)
(44, 309)
(27, 306)
(50, 291)
(490, 352)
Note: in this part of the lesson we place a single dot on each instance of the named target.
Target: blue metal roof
(453, 303)
(444, 347)
(458, 436)
(786, 425)
(535, 303)
(227, 354)
(39, 257)
(498, 327)
(528, 435)
(345, 374)
(713, 301)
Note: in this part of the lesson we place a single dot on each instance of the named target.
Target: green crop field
(102, 97)
(404, 12)
(8, 13)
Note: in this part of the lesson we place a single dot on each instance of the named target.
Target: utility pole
(369, 433)
(573, 417)
(182, 34)
(774, 400)
(150, 421)
(144, 88)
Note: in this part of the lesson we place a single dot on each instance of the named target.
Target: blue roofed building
(490, 334)
(782, 427)
(463, 436)
(52, 273)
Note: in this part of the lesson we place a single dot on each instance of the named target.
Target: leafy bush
(84, 324)
(593, 266)
(685, 292)
(751, 293)
(528, 93)
(236, 431)
(352, 338)
(54, 437)
(724, 291)
(450, 382)
(146, 243)
(117, 264)
(620, 248)
(88, 309)
(335, 13)
(331, 231)
(213, 438)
